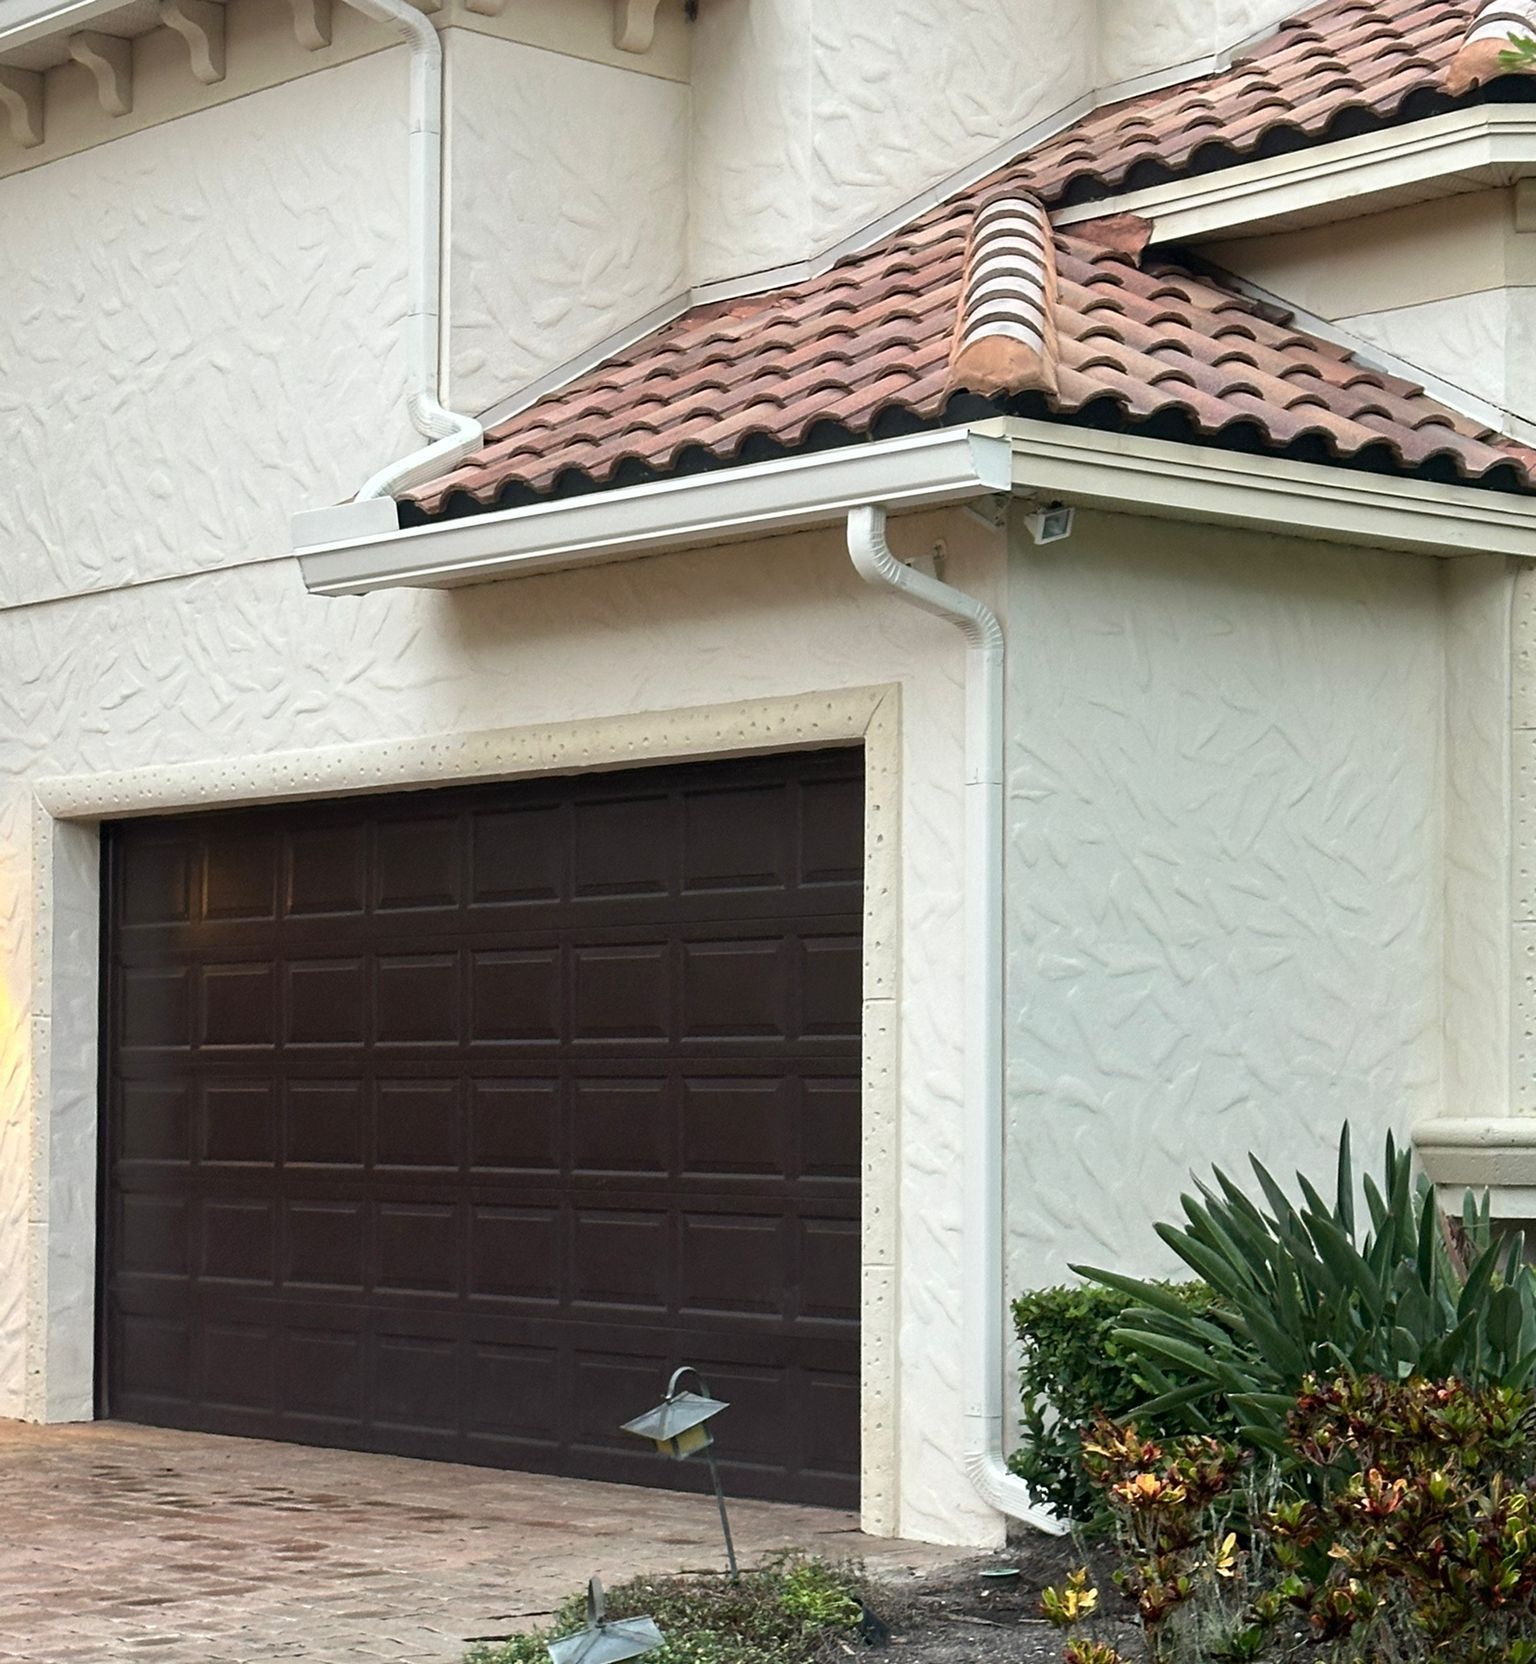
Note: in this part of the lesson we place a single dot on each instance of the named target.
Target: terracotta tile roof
(1494, 28)
(1338, 68)
(867, 348)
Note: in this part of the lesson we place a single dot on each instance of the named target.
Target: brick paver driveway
(122, 1542)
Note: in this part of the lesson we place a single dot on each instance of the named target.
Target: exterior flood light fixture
(604, 1642)
(679, 1428)
(1050, 524)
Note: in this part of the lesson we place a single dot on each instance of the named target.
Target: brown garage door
(444, 1124)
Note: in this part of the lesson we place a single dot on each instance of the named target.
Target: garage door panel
(154, 1009)
(325, 1123)
(517, 1254)
(152, 1123)
(829, 1129)
(513, 1394)
(621, 1127)
(621, 1257)
(622, 992)
(417, 864)
(237, 1367)
(239, 1241)
(327, 872)
(623, 846)
(237, 1123)
(449, 1124)
(733, 1263)
(325, 1245)
(322, 1373)
(737, 840)
(417, 1000)
(325, 1002)
(519, 856)
(157, 882)
(516, 997)
(737, 1127)
(419, 1247)
(417, 1123)
(515, 1127)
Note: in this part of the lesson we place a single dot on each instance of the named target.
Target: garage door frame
(64, 1273)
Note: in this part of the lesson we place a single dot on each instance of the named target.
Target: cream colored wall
(857, 109)
(567, 208)
(1447, 287)
(1136, 39)
(203, 331)
(1225, 870)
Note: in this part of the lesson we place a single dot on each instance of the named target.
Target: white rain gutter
(1052, 462)
(926, 470)
(983, 1358)
(452, 436)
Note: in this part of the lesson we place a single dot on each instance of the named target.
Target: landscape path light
(679, 1428)
(605, 1642)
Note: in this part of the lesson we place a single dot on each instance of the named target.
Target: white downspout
(453, 436)
(982, 1347)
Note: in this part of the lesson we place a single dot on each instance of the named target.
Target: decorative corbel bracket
(634, 24)
(21, 97)
(200, 23)
(486, 8)
(110, 60)
(312, 23)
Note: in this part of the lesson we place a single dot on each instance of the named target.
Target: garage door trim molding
(62, 1271)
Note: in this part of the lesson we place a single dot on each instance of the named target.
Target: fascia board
(1463, 150)
(954, 465)
(24, 21)
(1170, 481)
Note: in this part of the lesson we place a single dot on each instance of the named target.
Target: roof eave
(1482, 147)
(1042, 460)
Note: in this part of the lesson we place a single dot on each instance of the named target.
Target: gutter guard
(953, 465)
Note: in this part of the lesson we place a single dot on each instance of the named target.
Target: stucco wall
(859, 108)
(203, 331)
(568, 208)
(1137, 39)
(1446, 287)
(1224, 872)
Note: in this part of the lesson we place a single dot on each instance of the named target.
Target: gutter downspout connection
(453, 436)
(982, 1346)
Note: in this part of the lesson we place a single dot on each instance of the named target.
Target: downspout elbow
(452, 436)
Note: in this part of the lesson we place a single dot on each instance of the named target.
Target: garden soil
(963, 1616)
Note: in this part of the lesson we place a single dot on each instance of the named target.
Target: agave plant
(1313, 1288)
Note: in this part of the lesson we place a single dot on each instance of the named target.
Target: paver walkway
(121, 1542)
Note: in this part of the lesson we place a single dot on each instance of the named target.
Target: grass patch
(795, 1610)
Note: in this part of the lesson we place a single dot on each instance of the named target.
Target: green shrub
(1410, 1533)
(796, 1610)
(1308, 1288)
(1073, 1370)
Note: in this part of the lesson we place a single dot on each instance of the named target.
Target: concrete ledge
(1498, 1156)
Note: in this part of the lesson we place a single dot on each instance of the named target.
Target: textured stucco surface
(568, 209)
(1136, 39)
(1224, 870)
(857, 109)
(203, 331)
(1471, 341)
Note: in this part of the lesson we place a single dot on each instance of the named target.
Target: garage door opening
(444, 1124)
